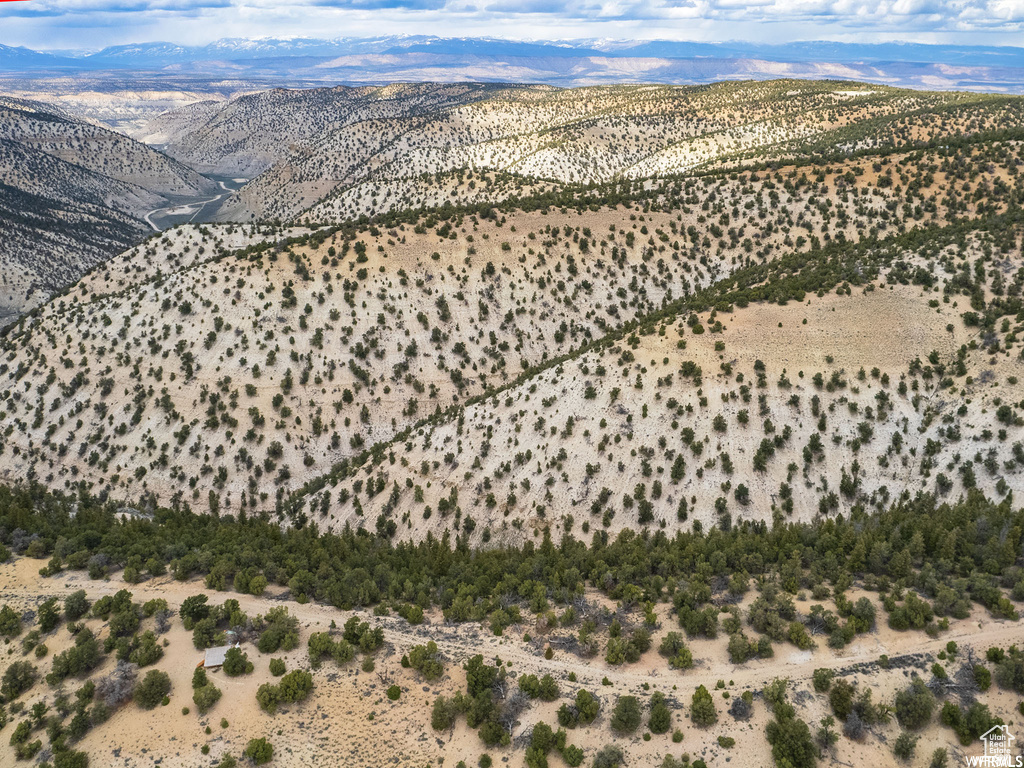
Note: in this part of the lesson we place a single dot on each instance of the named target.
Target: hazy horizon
(606, 44)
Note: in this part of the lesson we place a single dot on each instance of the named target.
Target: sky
(94, 24)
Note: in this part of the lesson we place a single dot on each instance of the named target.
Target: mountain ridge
(489, 59)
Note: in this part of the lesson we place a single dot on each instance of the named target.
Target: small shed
(215, 656)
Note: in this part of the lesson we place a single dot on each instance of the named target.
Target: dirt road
(458, 642)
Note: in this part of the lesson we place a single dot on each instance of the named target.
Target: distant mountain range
(577, 62)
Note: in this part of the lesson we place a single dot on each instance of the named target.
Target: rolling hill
(263, 370)
(351, 153)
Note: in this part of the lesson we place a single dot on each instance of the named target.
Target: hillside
(392, 150)
(74, 195)
(44, 129)
(250, 133)
(805, 410)
(51, 242)
(233, 378)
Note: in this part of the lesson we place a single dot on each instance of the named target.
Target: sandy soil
(348, 720)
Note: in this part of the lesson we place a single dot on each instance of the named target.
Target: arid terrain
(349, 717)
(686, 422)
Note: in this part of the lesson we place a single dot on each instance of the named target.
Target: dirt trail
(350, 718)
(458, 642)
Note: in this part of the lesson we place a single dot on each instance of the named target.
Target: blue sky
(92, 24)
